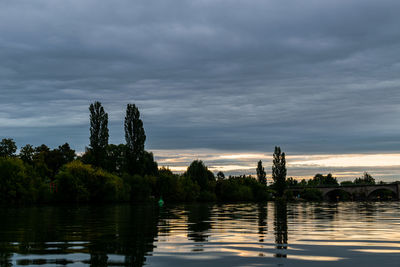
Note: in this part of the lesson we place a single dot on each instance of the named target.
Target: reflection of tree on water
(262, 222)
(368, 210)
(281, 236)
(325, 212)
(127, 231)
(5, 255)
(198, 222)
(133, 236)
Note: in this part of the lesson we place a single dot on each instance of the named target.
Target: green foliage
(26, 154)
(291, 182)
(200, 174)
(175, 188)
(302, 183)
(19, 183)
(148, 166)
(190, 189)
(261, 174)
(78, 182)
(366, 179)
(279, 171)
(233, 190)
(139, 186)
(30, 178)
(117, 161)
(7, 147)
(241, 188)
(220, 175)
(98, 133)
(167, 185)
(311, 194)
(288, 195)
(320, 179)
(56, 158)
(67, 154)
(135, 138)
(115, 158)
(47, 162)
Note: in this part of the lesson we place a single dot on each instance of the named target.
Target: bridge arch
(337, 194)
(383, 193)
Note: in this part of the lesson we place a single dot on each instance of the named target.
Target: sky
(219, 80)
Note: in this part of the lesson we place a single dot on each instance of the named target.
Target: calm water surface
(296, 234)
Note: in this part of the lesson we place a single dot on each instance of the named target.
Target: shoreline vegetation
(108, 173)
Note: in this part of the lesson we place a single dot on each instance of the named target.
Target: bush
(80, 182)
(189, 190)
(200, 174)
(139, 186)
(241, 189)
(167, 185)
(19, 183)
(311, 194)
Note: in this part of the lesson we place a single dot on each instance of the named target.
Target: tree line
(127, 172)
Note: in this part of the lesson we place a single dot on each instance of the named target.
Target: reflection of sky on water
(296, 234)
(336, 234)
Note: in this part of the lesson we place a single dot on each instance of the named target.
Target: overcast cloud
(311, 76)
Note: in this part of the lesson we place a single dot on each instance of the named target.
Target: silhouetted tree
(58, 157)
(366, 179)
(67, 153)
(303, 182)
(18, 182)
(115, 162)
(41, 148)
(98, 133)
(135, 138)
(220, 175)
(200, 174)
(320, 179)
(7, 147)
(45, 161)
(279, 171)
(40, 157)
(261, 174)
(26, 153)
(291, 182)
(148, 165)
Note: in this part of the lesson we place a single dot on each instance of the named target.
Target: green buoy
(161, 202)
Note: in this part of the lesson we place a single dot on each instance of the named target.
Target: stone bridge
(365, 191)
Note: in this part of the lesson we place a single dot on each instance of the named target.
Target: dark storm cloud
(311, 76)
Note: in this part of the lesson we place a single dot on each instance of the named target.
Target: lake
(271, 234)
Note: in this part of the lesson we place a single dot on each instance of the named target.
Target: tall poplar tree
(98, 133)
(135, 138)
(279, 171)
(261, 174)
